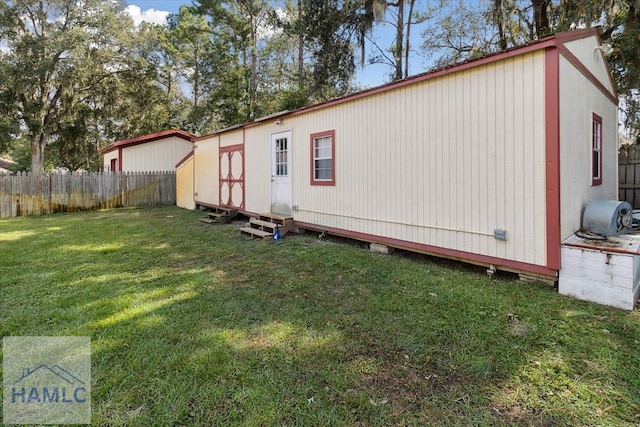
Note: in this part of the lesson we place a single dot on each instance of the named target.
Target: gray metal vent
(608, 217)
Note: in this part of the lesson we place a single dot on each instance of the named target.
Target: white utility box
(603, 271)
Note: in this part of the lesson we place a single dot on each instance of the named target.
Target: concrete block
(381, 249)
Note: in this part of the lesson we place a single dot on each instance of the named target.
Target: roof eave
(187, 136)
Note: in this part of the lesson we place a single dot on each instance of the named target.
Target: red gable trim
(187, 136)
(203, 137)
(566, 53)
(184, 159)
(569, 36)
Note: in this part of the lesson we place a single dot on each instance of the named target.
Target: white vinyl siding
(446, 161)
(206, 171)
(442, 162)
(160, 155)
(108, 157)
(586, 52)
(185, 185)
(576, 156)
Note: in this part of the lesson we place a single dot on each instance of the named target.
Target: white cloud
(150, 15)
(265, 30)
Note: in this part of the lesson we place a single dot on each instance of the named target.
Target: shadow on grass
(192, 325)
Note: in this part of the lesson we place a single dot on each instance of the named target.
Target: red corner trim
(552, 154)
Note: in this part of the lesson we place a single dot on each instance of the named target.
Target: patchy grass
(194, 325)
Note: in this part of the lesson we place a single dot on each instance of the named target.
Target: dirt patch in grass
(183, 264)
(404, 381)
(517, 415)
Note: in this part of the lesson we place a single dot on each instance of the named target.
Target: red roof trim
(569, 36)
(203, 137)
(187, 136)
(554, 40)
(184, 159)
(534, 46)
(429, 75)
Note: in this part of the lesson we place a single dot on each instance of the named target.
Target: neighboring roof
(187, 136)
(554, 40)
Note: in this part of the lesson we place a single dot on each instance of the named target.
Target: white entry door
(281, 173)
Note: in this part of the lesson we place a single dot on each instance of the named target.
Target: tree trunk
(498, 17)
(38, 143)
(540, 17)
(253, 85)
(397, 50)
(196, 76)
(300, 48)
(632, 31)
(407, 44)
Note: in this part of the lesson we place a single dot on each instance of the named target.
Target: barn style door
(231, 179)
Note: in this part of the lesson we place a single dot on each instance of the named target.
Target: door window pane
(281, 157)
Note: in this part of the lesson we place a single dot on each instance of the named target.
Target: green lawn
(194, 325)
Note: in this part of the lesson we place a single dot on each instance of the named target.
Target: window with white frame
(323, 158)
(596, 150)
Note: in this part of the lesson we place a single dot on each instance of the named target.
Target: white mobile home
(490, 161)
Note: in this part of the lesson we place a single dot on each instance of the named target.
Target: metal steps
(264, 227)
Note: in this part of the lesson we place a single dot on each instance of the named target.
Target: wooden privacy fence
(629, 174)
(40, 194)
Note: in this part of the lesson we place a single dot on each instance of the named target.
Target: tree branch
(387, 59)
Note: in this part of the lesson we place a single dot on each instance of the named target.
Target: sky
(157, 11)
